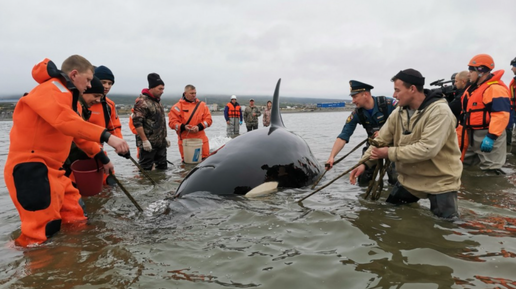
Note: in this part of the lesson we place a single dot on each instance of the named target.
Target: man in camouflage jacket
(151, 125)
(251, 115)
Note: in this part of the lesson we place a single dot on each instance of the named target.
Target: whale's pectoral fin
(263, 189)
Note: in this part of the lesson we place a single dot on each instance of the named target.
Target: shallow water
(335, 239)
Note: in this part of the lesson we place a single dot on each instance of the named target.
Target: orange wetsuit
(179, 115)
(44, 126)
(104, 114)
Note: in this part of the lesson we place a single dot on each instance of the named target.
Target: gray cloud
(243, 47)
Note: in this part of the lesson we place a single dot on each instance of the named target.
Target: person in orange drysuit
(104, 112)
(84, 149)
(485, 115)
(189, 117)
(45, 122)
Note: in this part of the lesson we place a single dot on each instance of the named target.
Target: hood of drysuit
(45, 70)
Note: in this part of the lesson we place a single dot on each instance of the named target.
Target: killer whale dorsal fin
(276, 119)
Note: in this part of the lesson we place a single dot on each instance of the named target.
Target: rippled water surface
(335, 239)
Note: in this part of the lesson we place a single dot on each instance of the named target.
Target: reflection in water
(337, 240)
(506, 283)
(400, 231)
(94, 256)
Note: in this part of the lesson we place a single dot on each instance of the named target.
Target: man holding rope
(371, 112)
(420, 137)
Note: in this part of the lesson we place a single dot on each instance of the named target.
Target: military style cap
(357, 87)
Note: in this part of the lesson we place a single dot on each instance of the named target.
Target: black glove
(127, 155)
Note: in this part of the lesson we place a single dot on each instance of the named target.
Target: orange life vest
(477, 115)
(234, 111)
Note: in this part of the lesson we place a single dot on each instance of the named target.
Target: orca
(260, 157)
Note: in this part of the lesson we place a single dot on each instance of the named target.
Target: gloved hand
(168, 143)
(147, 145)
(487, 144)
(240, 122)
(127, 155)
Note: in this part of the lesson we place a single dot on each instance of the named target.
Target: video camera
(448, 90)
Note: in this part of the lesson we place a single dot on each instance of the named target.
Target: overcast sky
(243, 47)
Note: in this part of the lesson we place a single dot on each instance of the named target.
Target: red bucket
(88, 176)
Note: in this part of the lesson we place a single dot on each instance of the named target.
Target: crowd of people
(70, 108)
(427, 138)
(45, 123)
(233, 116)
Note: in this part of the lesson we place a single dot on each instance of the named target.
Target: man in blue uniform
(371, 112)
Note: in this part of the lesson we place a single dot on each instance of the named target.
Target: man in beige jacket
(420, 137)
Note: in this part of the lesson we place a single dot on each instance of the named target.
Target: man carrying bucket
(189, 117)
(45, 122)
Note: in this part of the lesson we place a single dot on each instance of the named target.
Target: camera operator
(451, 94)
(461, 82)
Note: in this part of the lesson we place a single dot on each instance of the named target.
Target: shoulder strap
(193, 112)
(382, 105)
(361, 117)
(107, 111)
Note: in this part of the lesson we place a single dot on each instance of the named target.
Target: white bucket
(192, 150)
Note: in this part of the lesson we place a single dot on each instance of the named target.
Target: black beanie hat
(154, 80)
(410, 76)
(103, 72)
(96, 86)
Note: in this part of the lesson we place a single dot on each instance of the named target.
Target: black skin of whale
(251, 159)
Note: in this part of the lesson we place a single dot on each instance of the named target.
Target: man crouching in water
(421, 139)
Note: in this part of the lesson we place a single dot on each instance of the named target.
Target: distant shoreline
(6, 111)
(123, 113)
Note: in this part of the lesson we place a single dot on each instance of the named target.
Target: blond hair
(189, 87)
(76, 62)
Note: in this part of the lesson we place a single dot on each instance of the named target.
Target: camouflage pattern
(150, 114)
(248, 115)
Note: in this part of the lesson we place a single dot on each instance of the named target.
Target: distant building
(213, 106)
(331, 104)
